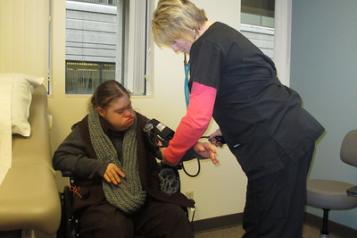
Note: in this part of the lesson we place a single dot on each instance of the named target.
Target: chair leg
(324, 229)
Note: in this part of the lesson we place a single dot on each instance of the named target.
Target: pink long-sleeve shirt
(194, 123)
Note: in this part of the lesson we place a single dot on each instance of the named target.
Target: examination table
(29, 198)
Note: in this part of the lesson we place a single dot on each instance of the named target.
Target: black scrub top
(261, 120)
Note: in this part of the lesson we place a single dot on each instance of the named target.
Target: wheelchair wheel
(69, 224)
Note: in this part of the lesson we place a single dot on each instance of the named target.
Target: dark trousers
(275, 203)
(154, 219)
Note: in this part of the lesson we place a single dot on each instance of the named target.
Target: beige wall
(218, 190)
(24, 36)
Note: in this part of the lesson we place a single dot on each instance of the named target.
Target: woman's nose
(128, 112)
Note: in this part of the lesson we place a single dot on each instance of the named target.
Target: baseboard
(218, 222)
(10, 234)
(236, 219)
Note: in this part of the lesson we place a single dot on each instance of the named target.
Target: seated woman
(108, 155)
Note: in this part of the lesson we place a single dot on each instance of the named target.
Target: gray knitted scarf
(128, 195)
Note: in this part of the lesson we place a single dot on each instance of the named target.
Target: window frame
(282, 40)
(137, 45)
(133, 48)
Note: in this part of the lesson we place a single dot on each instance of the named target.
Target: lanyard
(186, 87)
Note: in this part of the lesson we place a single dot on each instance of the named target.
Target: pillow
(21, 97)
(33, 80)
(20, 107)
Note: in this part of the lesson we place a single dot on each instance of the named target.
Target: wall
(24, 36)
(218, 190)
(324, 70)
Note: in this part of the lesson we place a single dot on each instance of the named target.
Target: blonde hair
(176, 19)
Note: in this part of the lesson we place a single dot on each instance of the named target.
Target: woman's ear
(100, 110)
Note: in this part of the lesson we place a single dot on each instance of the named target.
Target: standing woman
(261, 120)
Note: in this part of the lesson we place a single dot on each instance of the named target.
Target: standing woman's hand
(113, 174)
(206, 150)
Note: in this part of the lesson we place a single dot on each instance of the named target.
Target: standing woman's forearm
(193, 124)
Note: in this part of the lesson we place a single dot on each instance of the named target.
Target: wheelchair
(156, 131)
(69, 222)
(69, 226)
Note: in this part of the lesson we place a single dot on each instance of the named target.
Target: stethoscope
(186, 83)
(187, 99)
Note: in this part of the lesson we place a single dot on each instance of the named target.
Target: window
(106, 39)
(257, 18)
(258, 12)
(267, 23)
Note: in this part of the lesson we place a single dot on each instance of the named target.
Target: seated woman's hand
(206, 150)
(113, 174)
